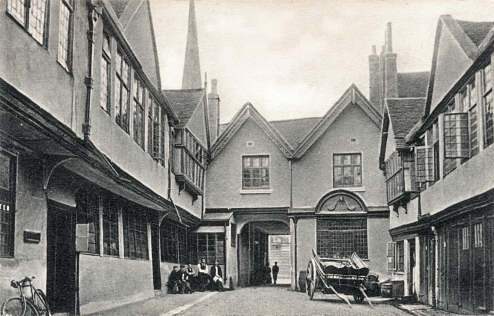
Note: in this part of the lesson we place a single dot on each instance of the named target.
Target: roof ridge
(296, 119)
(172, 90)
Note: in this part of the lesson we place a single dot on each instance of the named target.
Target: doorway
(411, 269)
(61, 257)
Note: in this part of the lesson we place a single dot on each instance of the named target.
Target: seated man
(184, 280)
(217, 276)
(174, 281)
(192, 278)
(202, 275)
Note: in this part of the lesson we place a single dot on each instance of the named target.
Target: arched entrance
(261, 243)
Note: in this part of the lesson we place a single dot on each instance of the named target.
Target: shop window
(135, 233)
(7, 200)
(173, 242)
(255, 172)
(87, 203)
(339, 238)
(110, 227)
(32, 15)
(347, 170)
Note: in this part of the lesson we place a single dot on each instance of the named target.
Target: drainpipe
(435, 288)
(291, 182)
(295, 220)
(88, 81)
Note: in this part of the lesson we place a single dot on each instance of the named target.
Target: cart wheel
(308, 278)
(311, 280)
(313, 287)
(358, 297)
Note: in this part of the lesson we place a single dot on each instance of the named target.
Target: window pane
(356, 159)
(64, 35)
(489, 119)
(255, 162)
(37, 16)
(17, 9)
(4, 172)
(346, 159)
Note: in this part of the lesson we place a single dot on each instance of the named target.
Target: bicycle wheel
(41, 303)
(15, 307)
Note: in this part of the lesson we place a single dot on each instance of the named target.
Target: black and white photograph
(246, 157)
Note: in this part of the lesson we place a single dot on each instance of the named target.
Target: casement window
(135, 233)
(395, 181)
(396, 256)
(210, 246)
(488, 105)
(465, 238)
(64, 34)
(473, 127)
(156, 131)
(456, 140)
(424, 164)
(173, 242)
(110, 226)
(255, 172)
(7, 203)
(190, 161)
(87, 205)
(138, 109)
(105, 74)
(339, 238)
(347, 170)
(150, 106)
(162, 136)
(122, 92)
(32, 15)
(478, 235)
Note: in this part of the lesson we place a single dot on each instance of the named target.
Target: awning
(210, 229)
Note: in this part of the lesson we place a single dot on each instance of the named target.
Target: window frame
(25, 22)
(487, 93)
(11, 208)
(89, 207)
(134, 218)
(106, 57)
(122, 84)
(178, 238)
(260, 168)
(138, 103)
(357, 235)
(352, 165)
(66, 64)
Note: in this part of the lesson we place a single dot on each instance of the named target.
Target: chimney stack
(214, 111)
(390, 69)
(374, 81)
(388, 38)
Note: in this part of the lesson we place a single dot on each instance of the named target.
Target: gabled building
(298, 178)
(449, 213)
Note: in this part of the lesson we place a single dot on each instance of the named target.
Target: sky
(295, 58)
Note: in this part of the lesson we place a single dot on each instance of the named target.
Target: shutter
(391, 255)
(456, 139)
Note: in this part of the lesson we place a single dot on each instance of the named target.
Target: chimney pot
(389, 38)
(374, 52)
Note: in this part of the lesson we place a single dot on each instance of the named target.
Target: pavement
(422, 310)
(265, 300)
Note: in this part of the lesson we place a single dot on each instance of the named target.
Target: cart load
(337, 276)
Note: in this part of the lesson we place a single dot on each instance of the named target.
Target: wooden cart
(337, 276)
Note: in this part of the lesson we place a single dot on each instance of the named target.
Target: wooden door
(61, 272)
(465, 268)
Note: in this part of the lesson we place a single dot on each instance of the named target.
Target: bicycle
(30, 302)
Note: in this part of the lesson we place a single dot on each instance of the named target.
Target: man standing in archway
(276, 269)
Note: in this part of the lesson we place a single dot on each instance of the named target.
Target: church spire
(191, 78)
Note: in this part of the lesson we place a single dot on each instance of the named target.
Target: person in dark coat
(184, 280)
(267, 271)
(174, 281)
(202, 275)
(217, 276)
(276, 269)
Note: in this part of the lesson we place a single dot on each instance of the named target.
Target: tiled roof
(184, 103)
(413, 84)
(403, 114)
(119, 6)
(292, 130)
(475, 30)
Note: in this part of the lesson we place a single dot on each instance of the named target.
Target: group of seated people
(185, 280)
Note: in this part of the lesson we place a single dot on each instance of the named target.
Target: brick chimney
(375, 86)
(214, 111)
(390, 69)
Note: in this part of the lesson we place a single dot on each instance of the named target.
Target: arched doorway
(262, 243)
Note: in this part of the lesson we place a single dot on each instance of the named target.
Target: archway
(263, 242)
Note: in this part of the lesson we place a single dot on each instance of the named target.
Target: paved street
(250, 301)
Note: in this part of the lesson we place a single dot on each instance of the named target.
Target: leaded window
(347, 170)
(395, 181)
(255, 172)
(105, 71)
(87, 204)
(162, 135)
(156, 131)
(340, 237)
(173, 242)
(473, 127)
(32, 15)
(138, 108)
(400, 256)
(424, 164)
(478, 235)
(110, 226)
(122, 92)
(149, 105)
(465, 238)
(64, 41)
(7, 202)
(456, 140)
(488, 105)
(135, 232)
